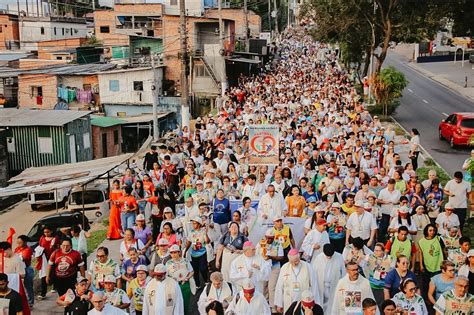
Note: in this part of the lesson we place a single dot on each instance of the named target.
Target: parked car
(96, 204)
(471, 58)
(51, 197)
(457, 128)
(56, 222)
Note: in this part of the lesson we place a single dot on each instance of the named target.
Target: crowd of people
(339, 226)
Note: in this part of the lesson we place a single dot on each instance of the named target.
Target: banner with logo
(263, 144)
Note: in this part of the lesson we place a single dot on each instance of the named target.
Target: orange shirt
(296, 205)
(127, 203)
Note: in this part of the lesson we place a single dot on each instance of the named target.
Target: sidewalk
(48, 306)
(450, 74)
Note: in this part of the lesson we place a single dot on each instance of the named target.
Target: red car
(457, 128)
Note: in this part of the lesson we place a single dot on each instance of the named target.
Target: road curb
(425, 152)
(453, 87)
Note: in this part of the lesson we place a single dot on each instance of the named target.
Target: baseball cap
(199, 182)
(277, 218)
(110, 279)
(160, 269)
(470, 253)
(174, 248)
(321, 222)
(163, 242)
(311, 199)
(168, 210)
(197, 219)
(141, 268)
(330, 170)
(359, 203)
(403, 209)
(336, 205)
(140, 217)
(81, 279)
(270, 232)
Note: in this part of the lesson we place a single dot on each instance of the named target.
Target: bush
(388, 87)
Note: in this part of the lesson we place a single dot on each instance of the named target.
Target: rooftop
(105, 122)
(12, 117)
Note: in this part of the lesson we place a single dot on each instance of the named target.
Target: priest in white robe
(330, 268)
(271, 204)
(162, 295)
(250, 266)
(102, 308)
(315, 240)
(249, 301)
(217, 290)
(295, 277)
(350, 292)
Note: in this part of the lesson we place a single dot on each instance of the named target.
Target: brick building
(106, 136)
(9, 32)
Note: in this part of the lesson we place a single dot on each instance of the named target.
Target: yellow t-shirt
(348, 210)
(136, 292)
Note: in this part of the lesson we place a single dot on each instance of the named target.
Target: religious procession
(290, 199)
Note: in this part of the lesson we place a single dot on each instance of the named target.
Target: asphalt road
(424, 104)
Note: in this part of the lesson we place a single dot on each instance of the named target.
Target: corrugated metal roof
(104, 122)
(85, 69)
(12, 117)
(143, 118)
(48, 178)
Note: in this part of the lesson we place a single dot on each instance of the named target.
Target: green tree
(388, 87)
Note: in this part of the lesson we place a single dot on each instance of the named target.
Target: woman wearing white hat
(181, 270)
(196, 244)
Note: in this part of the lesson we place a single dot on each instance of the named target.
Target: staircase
(210, 70)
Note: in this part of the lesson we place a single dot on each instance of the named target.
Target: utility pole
(93, 5)
(288, 17)
(184, 59)
(246, 21)
(154, 93)
(276, 16)
(270, 16)
(221, 42)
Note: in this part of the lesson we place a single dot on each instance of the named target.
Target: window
(116, 137)
(36, 91)
(87, 140)
(201, 71)
(71, 31)
(174, 2)
(104, 29)
(138, 85)
(467, 123)
(1, 28)
(54, 30)
(42, 30)
(114, 85)
(63, 31)
(45, 142)
(59, 58)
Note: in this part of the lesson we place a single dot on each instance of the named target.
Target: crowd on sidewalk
(339, 226)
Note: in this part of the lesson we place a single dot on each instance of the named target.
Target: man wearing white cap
(295, 277)
(270, 249)
(249, 301)
(361, 224)
(329, 267)
(271, 204)
(314, 241)
(329, 181)
(136, 288)
(115, 296)
(101, 308)
(447, 220)
(248, 265)
(217, 290)
(305, 306)
(162, 295)
(201, 195)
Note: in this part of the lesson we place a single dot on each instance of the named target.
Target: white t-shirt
(459, 200)
(445, 223)
(392, 197)
(361, 225)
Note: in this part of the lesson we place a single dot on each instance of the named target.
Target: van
(96, 203)
(45, 198)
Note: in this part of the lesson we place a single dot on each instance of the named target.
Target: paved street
(424, 103)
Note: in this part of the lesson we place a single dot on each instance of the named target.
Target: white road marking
(445, 114)
(425, 101)
(410, 90)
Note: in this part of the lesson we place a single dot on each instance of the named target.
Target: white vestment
(107, 310)
(271, 207)
(292, 281)
(163, 297)
(241, 268)
(349, 296)
(312, 238)
(225, 293)
(240, 306)
(329, 271)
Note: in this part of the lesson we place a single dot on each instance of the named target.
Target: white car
(96, 203)
(44, 198)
